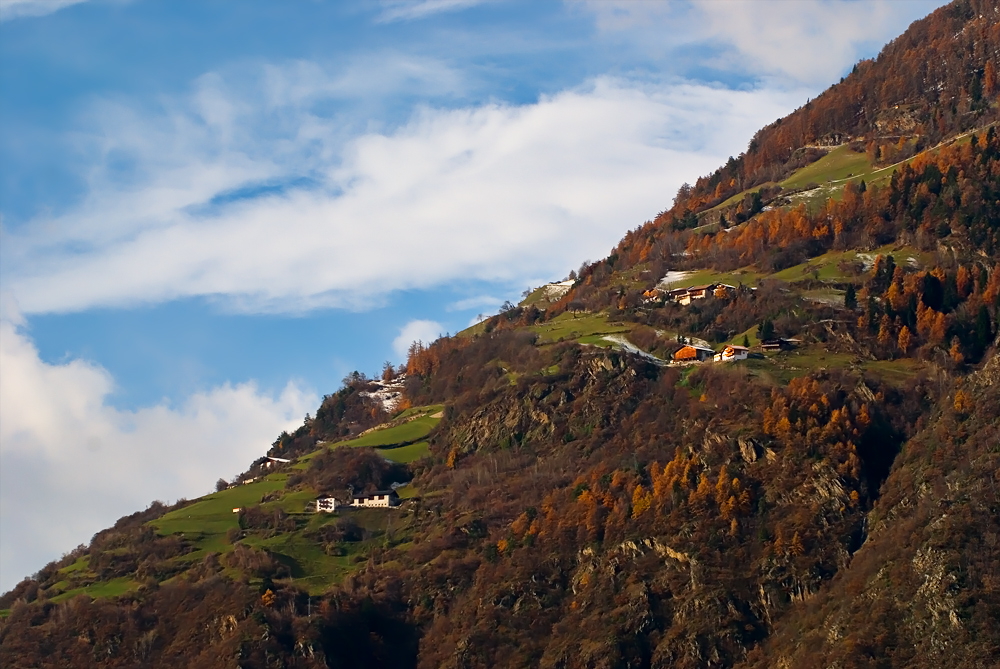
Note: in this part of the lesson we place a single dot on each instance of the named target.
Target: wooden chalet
(695, 293)
(694, 353)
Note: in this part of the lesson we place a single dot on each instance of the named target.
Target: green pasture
(390, 438)
(839, 164)
(310, 567)
(407, 491)
(213, 514)
(826, 267)
(112, 588)
(571, 326)
(750, 334)
(409, 453)
(420, 411)
(410, 431)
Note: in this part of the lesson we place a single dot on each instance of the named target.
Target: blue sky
(213, 211)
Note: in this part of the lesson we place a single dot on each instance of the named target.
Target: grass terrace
(576, 326)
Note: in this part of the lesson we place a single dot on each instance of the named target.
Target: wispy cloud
(492, 193)
(12, 9)
(70, 464)
(409, 10)
(475, 302)
(808, 41)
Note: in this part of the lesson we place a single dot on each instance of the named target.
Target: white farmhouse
(731, 353)
(379, 498)
(326, 505)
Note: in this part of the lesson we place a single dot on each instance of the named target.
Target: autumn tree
(904, 340)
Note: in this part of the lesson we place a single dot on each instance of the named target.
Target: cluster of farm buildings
(380, 499)
(730, 353)
(686, 295)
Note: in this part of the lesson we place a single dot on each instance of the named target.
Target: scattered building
(237, 509)
(694, 353)
(778, 344)
(686, 295)
(652, 295)
(730, 353)
(272, 462)
(326, 505)
(379, 498)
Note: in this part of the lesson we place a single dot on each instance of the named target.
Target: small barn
(778, 344)
(693, 353)
(379, 498)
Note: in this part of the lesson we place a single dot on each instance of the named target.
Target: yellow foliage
(962, 402)
(502, 546)
(641, 501)
(904, 340)
(796, 547)
(722, 486)
(267, 599)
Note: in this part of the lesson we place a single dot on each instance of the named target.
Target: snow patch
(556, 289)
(629, 347)
(674, 275)
(387, 394)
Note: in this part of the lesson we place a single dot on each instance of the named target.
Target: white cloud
(70, 464)
(12, 9)
(473, 302)
(809, 41)
(421, 331)
(408, 10)
(492, 193)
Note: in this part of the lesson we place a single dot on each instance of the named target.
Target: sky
(211, 212)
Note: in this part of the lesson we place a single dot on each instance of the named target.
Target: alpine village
(764, 431)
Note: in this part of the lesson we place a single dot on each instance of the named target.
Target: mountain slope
(568, 502)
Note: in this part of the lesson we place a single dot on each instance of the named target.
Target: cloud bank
(70, 464)
(268, 208)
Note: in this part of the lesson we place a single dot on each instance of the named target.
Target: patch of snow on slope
(672, 276)
(628, 346)
(388, 394)
(556, 289)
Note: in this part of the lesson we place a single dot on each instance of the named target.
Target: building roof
(377, 493)
(738, 348)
